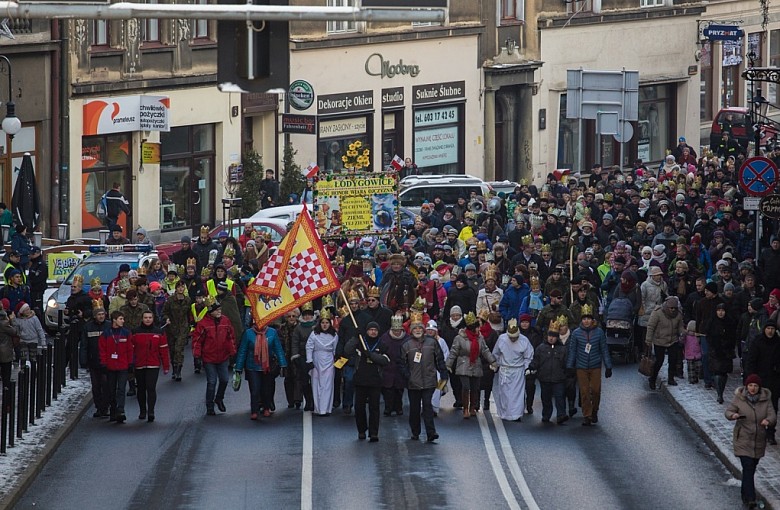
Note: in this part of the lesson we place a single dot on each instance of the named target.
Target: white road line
(511, 461)
(495, 463)
(306, 468)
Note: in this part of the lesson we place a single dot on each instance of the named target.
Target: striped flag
(311, 171)
(397, 162)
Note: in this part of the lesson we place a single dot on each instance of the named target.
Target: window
(774, 61)
(100, 32)
(651, 3)
(202, 25)
(105, 160)
(568, 138)
(438, 139)
(575, 6)
(336, 135)
(707, 83)
(335, 27)
(150, 28)
(512, 10)
(655, 118)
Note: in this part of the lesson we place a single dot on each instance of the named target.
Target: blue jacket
(246, 351)
(599, 351)
(513, 298)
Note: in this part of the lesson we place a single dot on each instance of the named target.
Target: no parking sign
(757, 176)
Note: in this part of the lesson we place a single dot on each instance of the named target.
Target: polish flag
(397, 162)
(312, 170)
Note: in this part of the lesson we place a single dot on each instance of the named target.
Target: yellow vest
(211, 287)
(246, 300)
(198, 316)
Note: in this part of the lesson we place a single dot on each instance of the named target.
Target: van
(416, 189)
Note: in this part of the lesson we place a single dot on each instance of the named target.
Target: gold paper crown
(544, 194)
(491, 274)
(470, 319)
(78, 280)
(419, 304)
(180, 270)
(523, 182)
(546, 248)
(396, 322)
(204, 229)
(586, 310)
(553, 327)
(233, 271)
(727, 209)
(481, 246)
(97, 304)
(307, 307)
(608, 197)
(535, 283)
(343, 311)
(205, 272)
(512, 329)
(327, 301)
(95, 282)
(325, 314)
(527, 239)
(339, 260)
(373, 292)
(142, 271)
(209, 300)
(229, 252)
(353, 295)
(192, 261)
(468, 214)
(562, 322)
(644, 193)
(416, 318)
(484, 314)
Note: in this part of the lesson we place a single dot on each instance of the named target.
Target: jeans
(255, 380)
(348, 399)
(421, 399)
(367, 396)
(117, 380)
(705, 364)
(660, 354)
(146, 378)
(215, 371)
(749, 465)
(550, 391)
(589, 380)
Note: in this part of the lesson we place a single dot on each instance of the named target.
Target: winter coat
(246, 351)
(29, 330)
(392, 377)
(653, 297)
(133, 315)
(178, 312)
(202, 251)
(230, 311)
(89, 347)
(465, 298)
(550, 313)
(550, 362)
(150, 348)
(458, 360)
(720, 345)
(426, 373)
(763, 358)
(769, 264)
(116, 349)
(663, 330)
(577, 345)
(213, 341)
(749, 435)
(370, 364)
(299, 338)
(7, 333)
(692, 347)
(511, 301)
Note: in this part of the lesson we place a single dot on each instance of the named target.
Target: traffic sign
(757, 176)
(751, 203)
(770, 206)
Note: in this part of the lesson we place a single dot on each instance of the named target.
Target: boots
(466, 399)
(131, 391)
(177, 373)
(173, 372)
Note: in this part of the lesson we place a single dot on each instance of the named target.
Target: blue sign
(723, 33)
(758, 176)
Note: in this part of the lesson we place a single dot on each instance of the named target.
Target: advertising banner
(356, 205)
(61, 264)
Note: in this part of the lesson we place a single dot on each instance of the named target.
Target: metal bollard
(48, 355)
(33, 392)
(11, 413)
(40, 401)
(4, 420)
(55, 370)
(75, 334)
(21, 423)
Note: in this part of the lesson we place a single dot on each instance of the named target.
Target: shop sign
(150, 153)
(128, 113)
(301, 95)
(342, 127)
(299, 124)
(355, 205)
(235, 173)
(392, 97)
(434, 147)
(436, 92)
(436, 116)
(376, 65)
(345, 102)
(61, 264)
(770, 207)
(723, 33)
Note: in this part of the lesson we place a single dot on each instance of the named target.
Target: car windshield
(106, 270)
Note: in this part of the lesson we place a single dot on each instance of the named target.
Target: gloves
(571, 372)
(310, 366)
(283, 372)
(608, 373)
(494, 367)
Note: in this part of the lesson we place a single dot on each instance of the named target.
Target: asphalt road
(641, 455)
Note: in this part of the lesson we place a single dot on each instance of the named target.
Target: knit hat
(432, 325)
(526, 317)
(372, 325)
(691, 326)
(672, 302)
(155, 286)
(455, 309)
(21, 307)
(607, 216)
(712, 287)
(753, 379)
(756, 303)
(728, 287)
(775, 293)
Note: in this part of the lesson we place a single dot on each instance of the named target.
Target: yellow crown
(343, 311)
(470, 319)
(553, 327)
(307, 307)
(78, 280)
(373, 292)
(419, 304)
(416, 318)
(327, 301)
(491, 274)
(353, 295)
(481, 246)
(484, 314)
(325, 314)
(535, 283)
(97, 304)
(586, 310)
(95, 282)
(229, 252)
(512, 329)
(204, 229)
(527, 239)
(562, 322)
(205, 272)
(546, 248)
(209, 300)
(192, 261)
(142, 271)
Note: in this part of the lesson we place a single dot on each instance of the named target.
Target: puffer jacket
(577, 357)
(458, 360)
(150, 348)
(116, 349)
(6, 339)
(29, 330)
(550, 362)
(213, 341)
(246, 351)
(653, 297)
(425, 374)
(749, 435)
(663, 330)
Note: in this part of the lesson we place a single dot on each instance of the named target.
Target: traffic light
(255, 58)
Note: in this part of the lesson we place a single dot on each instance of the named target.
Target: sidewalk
(700, 409)
(22, 463)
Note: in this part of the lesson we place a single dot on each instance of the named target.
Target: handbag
(647, 362)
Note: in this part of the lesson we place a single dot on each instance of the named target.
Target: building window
(105, 160)
(568, 138)
(707, 82)
(512, 10)
(732, 81)
(438, 139)
(335, 27)
(100, 32)
(579, 6)
(651, 3)
(655, 117)
(202, 25)
(150, 28)
(392, 136)
(24, 141)
(774, 61)
(336, 135)
(187, 177)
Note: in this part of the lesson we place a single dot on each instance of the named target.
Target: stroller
(620, 329)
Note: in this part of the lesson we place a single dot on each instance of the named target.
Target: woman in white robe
(514, 354)
(432, 330)
(320, 351)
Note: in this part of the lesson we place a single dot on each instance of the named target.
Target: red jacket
(116, 349)
(212, 342)
(151, 348)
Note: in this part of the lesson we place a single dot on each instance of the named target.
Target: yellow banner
(354, 205)
(61, 264)
(150, 153)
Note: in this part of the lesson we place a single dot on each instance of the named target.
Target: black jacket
(763, 358)
(37, 275)
(368, 370)
(89, 351)
(550, 362)
(116, 203)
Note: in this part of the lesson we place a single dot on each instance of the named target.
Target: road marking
(495, 463)
(511, 461)
(306, 468)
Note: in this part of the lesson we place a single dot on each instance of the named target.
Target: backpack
(102, 208)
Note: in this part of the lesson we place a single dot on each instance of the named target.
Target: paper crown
(512, 329)
(396, 322)
(482, 246)
(327, 301)
(97, 304)
(233, 271)
(205, 272)
(95, 282)
(535, 283)
(546, 248)
(192, 261)
(339, 260)
(180, 270)
(307, 307)
(209, 300)
(586, 311)
(373, 292)
(229, 252)
(415, 319)
(553, 327)
(78, 280)
(527, 239)
(142, 271)
(491, 274)
(470, 319)
(204, 229)
(325, 314)
(344, 311)
(353, 295)
(419, 304)
(562, 322)
(484, 314)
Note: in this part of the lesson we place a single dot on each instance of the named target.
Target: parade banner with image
(60, 264)
(356, 204)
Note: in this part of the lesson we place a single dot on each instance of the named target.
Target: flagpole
(349, 309)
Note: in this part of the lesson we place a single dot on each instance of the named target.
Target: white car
(288, 213)
(416, 189)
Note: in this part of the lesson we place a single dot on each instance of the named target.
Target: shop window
(438, 139)
(334, 138)
(732, 81)
(568, 138)
(335, 27)
(105, 160)
(707, 84)
(654, 134)
(392, 136)
(187, 177)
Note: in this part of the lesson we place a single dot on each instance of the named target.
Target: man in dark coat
(203, 247)
(181, 256)
(116, 203)
(269, 190)
(37, 275)
(371, 358)
(462, 295)
(763, 358)
(89, 357)
(704, 312)
(769, 264)
(376, 312)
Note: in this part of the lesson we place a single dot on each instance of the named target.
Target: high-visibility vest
(211, 287)
(198, 316)
(246, 300)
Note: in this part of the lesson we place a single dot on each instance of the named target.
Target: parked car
(288, 213)
(276, 227)
(416, 189)
(737, 121)
(506, 187)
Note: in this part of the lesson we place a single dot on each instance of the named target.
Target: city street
(640, 455)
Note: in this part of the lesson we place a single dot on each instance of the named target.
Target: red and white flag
(397, 162)
(311, 171)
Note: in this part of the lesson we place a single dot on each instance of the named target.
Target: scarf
(261, 349)
(753, 399)
(473, 337)
(627, 287)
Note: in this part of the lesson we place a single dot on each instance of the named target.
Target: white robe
(436, 399)
(320, 349)
(513, 359)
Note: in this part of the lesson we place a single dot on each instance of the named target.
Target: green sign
(301, 95)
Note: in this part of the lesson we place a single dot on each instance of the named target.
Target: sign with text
(437, 92)
(150, 153)
(61, 264)
(299, 124)
(392, 97)
(723, 33)
(436, 116)
(345, 102)
(437, 146)
(770, 206)
(343, 127)
(356, 205)
(129, 113)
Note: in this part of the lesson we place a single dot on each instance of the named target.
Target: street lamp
(11, 123)
(62, 232)
(103, 235)
(38, 239)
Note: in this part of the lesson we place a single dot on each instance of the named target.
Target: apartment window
(100, 32)
(424, 23)
(651, 3)
(774, 61)
(150, 28)
(707, 82)
(335, 27)
(579, 6)
(202, 25)
(512, 10)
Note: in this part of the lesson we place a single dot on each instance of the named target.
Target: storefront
(408, 99)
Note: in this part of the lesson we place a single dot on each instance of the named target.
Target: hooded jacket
(662, 329)
(749, 435)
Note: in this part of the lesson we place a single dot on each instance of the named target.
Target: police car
(102, 262)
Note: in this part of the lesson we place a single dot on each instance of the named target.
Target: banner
(308, 275)
(356, 205)
(61, 264)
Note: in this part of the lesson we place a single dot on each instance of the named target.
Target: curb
(32, 471)
(722, 455)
